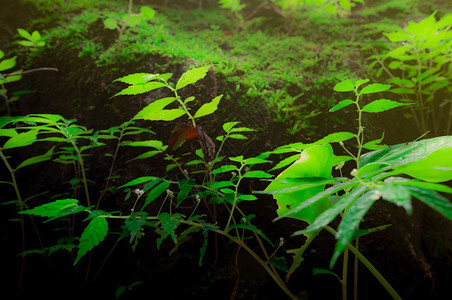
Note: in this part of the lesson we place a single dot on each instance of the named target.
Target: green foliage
(32, 40)
(418, 64)
(300, 189)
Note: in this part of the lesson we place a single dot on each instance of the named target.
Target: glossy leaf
(315, 161)
(192, 76)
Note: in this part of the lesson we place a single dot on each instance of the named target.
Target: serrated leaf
(341, 104)
(191, 76)
(208, 108)
(185, 186)
(344, 86)
(397, 194)
(170, 223)
(382, 105)
(432, 199)
(94, 233)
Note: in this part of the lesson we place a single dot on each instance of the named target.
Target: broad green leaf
(191, 76)
(26, 43)
(285, 162)
(344, 86)
(51, 209)
(374, 88)
(341, 104)
(9, 132)
(382, 105)
(7, 63)
(137, 181)
(255, 161)
(398, 52)
(94, 233)
(147, 12)
(2, 54)
(137, 89)
(436, 167)
(150, 143)
(225, 168)
(237, 136)
(375, 144)
(238, 159)
(22, 139)
(36, 36)
(208, 108)
(36, 159)
(220, 184)
(330, 214)
(155, 192)
(257, 174)
(242, 129)
(154, 108)
(142, 78)
(246, 197)
(315, 161)
(350, 221)
(433, 199)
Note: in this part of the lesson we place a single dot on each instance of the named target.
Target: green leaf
(170, 223)
(229, 125)
(237, 136)
(191, 76)
(374, 145)
(433, 199)
(285, 162)
(155, 192)
(350, 222)
(150, 143)
(208, 108)
(382, 105)
(36, 159)
(246, 197)
(344, 86)
(137, 89)
(225, 168)
(255, 160)
(315, 161)
(142, 78)
(320, 271)
(427, 185)
(23, 33)
(7, 63)
(147, 12)
(397, 194)
(220, 184)
(51, 209)
(341, 104)
(22, 139)
(330, 214)
(335, 137)
(397, 36)
(137, 181)
(94, 233)
(374, 88)
(36, 36)
(185, 186)
(165, 115)
(154, 108)
(134, 223)
(435, 167)
(257, 174)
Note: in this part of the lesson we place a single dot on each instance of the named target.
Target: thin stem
(355, 271)
(234, 204)
(31, 71)
(82, 168)
(370, 267)
(344, 275)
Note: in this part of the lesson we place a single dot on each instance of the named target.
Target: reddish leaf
(181, 133)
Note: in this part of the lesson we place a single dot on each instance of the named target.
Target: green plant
(221, 185)
(32, 40)
(120, 21)
(235, 7)
(419, 66)
(301, 191)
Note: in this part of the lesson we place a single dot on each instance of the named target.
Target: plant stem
(355, 272)
(370, 267)
(344, 275)
(82, 168)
